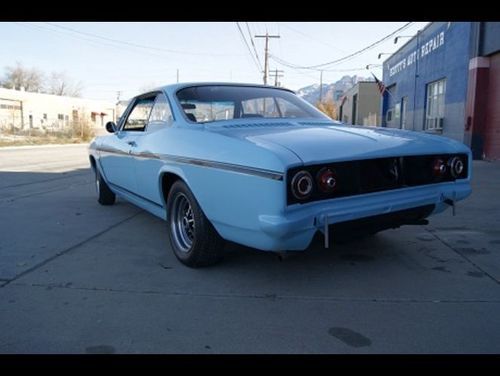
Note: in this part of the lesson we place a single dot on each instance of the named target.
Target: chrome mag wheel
(182, 224)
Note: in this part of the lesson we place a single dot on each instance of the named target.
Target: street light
(373, 65)
(383, 53)
(402, 36)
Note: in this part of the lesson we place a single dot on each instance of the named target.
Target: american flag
(380, 84)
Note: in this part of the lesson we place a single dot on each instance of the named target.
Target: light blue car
(261, 167)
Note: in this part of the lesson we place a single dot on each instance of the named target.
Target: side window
(161, 110)
(290, 110)
(139, 115)
(260, 107)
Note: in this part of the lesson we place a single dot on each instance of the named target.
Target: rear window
(216, 103)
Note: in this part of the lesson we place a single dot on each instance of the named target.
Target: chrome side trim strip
(268, 174)
(111, 151)
(146, 155)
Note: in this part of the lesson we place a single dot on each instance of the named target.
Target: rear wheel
(104, 195)
(193, 238)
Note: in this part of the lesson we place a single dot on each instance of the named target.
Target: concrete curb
(41, 146)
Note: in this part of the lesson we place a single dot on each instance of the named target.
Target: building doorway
(354, 109)
(404, 105)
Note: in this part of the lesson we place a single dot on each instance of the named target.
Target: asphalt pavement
(78, 277)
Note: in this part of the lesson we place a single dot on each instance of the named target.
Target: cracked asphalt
(77, 277)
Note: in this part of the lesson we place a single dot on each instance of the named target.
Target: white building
(20, 109)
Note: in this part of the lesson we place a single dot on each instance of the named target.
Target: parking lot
(77, 277)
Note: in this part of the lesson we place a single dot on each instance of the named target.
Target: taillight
(302, 185)
(439, 167)
(326, 179)
(456, 166)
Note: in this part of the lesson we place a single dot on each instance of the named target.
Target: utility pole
(276, 75)
(266, 53)
(118, 94)
(320, 86)
(177, 75)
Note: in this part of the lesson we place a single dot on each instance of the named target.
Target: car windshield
(215, 103)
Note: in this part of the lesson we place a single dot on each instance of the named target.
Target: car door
(118, 164)
(149, 146)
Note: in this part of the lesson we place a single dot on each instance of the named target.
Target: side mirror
(111, 127)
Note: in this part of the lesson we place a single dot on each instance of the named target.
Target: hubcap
(182, 223)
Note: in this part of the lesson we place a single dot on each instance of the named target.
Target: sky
(131, 57)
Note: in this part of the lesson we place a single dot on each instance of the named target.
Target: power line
(283, 62)
(59, 33)
(248, 47)
(91, 41)
(348, 57)
(136, 44)
(299, 72)
(98, 43)
(314, 39)
(253, 45)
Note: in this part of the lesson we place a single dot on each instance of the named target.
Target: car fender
(170, 169)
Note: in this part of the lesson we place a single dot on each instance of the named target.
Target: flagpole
(379, 83)
(383, 89)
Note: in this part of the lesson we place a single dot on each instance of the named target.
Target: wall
(348, 105)
(483, 93)
(369, 104)
(441, 50)
(492, 126)
(490, 38)
(37, 104)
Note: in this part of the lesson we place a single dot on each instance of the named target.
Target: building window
(60, 116)
(44, 116)
(434, 114)
(389, 115)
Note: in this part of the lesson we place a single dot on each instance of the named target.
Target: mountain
(333, 91)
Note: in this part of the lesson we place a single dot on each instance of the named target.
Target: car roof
(175, 87)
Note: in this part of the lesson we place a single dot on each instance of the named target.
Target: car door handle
(132, 143)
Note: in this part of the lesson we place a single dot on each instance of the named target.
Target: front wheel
(104, 195)
(193, 238)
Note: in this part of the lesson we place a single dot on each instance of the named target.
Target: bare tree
(17, 77)
(60, 84)
(33, 80)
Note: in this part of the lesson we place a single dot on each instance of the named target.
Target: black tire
(193, 238)
(104, 195)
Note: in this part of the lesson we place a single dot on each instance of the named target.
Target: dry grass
(76, 132)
